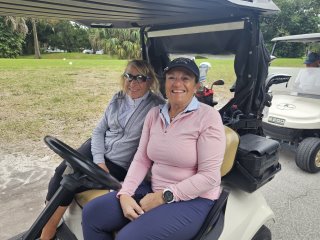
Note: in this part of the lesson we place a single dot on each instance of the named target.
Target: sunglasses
(139, 78)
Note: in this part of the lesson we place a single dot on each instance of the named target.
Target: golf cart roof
(302, 38)
(133, 13)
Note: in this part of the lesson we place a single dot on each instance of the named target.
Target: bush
(10, 42)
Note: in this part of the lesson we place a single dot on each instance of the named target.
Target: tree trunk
(35, 39)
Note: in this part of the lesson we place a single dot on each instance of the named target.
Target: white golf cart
(294, 116)
(185, 27)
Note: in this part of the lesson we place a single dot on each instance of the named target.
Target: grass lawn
(69, 56)
(53, 97)
(65, 97)
(288, 62)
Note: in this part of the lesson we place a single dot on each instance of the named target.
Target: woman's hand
(130, 207)
(151, 200)
(103, 166)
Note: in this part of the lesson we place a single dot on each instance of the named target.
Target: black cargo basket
(257, 162)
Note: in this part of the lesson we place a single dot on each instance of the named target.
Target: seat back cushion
(232, 143)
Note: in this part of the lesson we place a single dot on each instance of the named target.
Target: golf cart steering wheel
(81, 163)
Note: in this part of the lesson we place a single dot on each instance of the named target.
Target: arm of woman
(210, 152)
(98, 139)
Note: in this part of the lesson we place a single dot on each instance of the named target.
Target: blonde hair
(145, 69)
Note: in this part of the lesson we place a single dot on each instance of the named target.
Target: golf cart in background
(186, 27)
(294, 116)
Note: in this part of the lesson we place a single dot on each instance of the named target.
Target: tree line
(296, 17)
(24, 36)
(32, 36)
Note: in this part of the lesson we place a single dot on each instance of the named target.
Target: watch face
(168, 196)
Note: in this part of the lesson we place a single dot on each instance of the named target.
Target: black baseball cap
(184, 63)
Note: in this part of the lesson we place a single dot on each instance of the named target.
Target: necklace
(172, 117)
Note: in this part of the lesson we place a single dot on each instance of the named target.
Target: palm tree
(97, 39)
(35, 39)
(125, 43)
(19, 25)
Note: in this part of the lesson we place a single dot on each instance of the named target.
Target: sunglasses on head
(139, 78)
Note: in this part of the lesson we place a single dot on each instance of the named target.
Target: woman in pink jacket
(183, 144)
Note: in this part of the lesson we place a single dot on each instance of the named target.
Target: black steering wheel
(81, 163)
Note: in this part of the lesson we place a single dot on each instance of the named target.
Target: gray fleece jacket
(112, 141)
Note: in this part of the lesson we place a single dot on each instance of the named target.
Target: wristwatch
(167, 195)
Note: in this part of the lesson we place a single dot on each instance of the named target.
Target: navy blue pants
(175, 221)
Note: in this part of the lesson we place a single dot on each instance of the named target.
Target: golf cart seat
(214, 223)
(232, 142)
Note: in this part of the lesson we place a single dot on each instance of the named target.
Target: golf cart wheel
(308, 155)
(263, 233)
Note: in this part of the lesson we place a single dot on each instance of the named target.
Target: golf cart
(185, 27)
(294, 116)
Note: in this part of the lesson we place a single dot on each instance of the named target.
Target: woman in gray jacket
(116, 137)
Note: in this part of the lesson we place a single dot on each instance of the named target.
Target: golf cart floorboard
(64, 233)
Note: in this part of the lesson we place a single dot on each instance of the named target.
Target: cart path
(23, 183)
(293, 195)
(18, 170)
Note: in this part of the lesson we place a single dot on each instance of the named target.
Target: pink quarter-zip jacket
(185, 156)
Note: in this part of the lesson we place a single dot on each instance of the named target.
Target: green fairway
(69, 56)
(62, 64)
(40, 97)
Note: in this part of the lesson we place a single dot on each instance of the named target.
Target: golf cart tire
(263, 233)
(308, 154)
